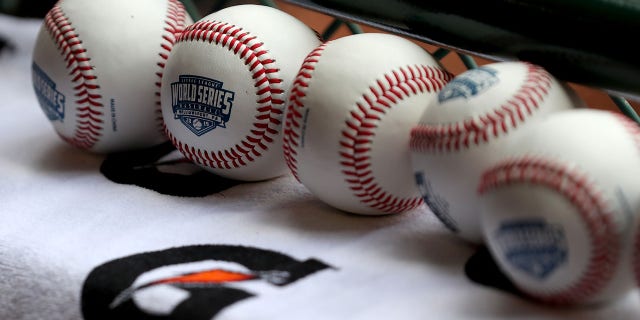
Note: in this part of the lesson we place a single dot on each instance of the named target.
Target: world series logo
(469, 84)
(533, 246)
(51, 100)
(200, 103)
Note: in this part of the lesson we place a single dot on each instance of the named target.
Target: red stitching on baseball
(455, 136)
(361, 126)
(588, 201)
(293, 120)
(634, 131)
(632, 128)
(174, 24)
(269, 93)
(89, 123)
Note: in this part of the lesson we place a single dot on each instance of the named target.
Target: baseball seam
(481, 129)
(633, 130)
(360, 127)
(174, 24)
(588, 201)
(268, 89)
(293, 120)
(89, 112)
(631, 127)
(357, 136)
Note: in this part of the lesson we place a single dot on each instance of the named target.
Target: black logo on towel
(186, 283)
(164, 169)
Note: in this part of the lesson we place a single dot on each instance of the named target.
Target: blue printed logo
(469, 83)
(201, 104)
(51, 100)
(438, 205)
(533, 246)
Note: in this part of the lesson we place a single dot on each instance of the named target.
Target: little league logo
(533, 246)
(468, 84)
(51, 100)
(201, 104)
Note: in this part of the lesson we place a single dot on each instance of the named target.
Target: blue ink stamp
(533, 246)
(200, 103)
(438, 205)
(469, 84)
(51, 100)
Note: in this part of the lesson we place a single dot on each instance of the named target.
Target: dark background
(33, 9)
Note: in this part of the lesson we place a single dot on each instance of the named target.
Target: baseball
(225, 86)
(97, 68)
(347, 123)
(466, 127)
(558, 211)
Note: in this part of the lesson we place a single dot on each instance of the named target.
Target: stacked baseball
(506, 156)
(370, 124)
(559, 209)
(345, 133)
(97, 68)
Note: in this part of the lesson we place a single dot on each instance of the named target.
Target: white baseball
(475, 115)
(558, 212)
(225, 86)
(348, 120)
(97, 68)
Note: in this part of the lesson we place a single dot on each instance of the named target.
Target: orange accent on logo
(212, 276)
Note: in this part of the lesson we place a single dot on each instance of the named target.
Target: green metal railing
(469, 62)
